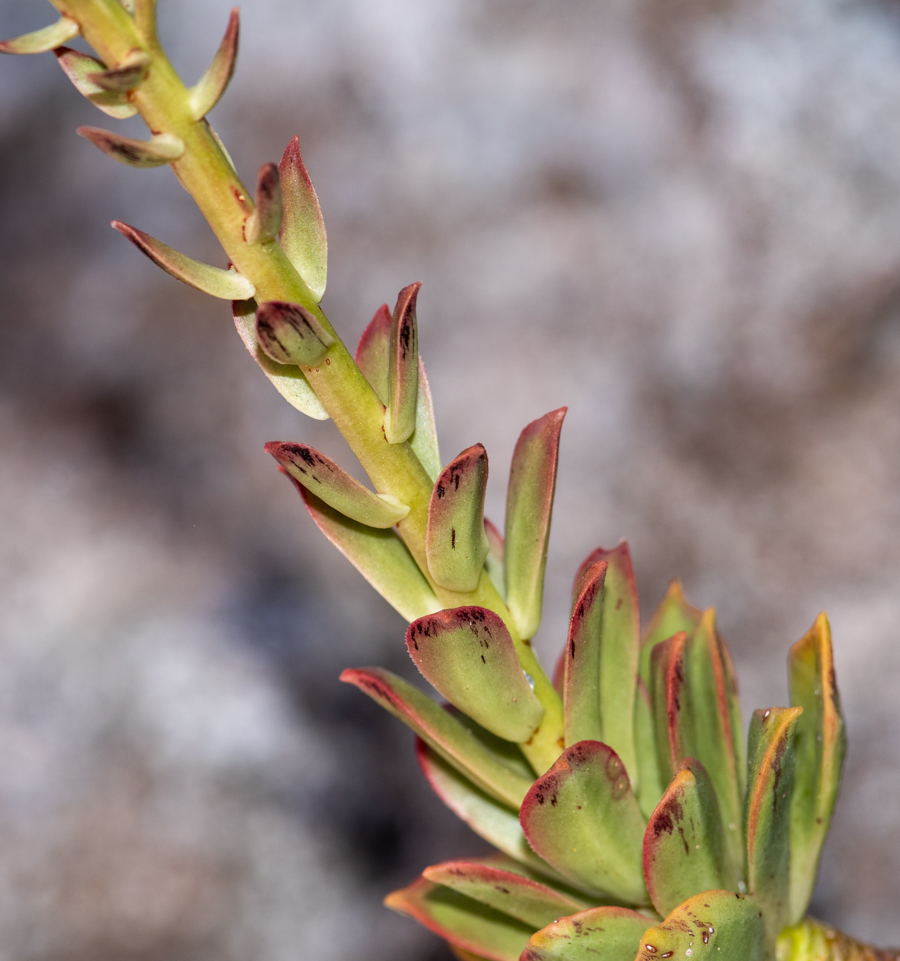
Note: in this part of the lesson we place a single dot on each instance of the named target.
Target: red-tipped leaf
(79, 68)
(206, 93)
(581, 660)
(302, 227)
(40, 41)
(598, 934)
(403, 368)
(155, 152)
(291, 334)
(264, 223)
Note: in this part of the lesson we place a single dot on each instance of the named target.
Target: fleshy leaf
(620, 628)
(770, 753)
(507, 891)
(462, 921)
(40, 41)
(79, 67)
(494, 561)
(263, 224)
(716, 735)
(674, 614)
(671, 716)
(379, 555)
(582, 818)
(462, 955)
(581, 665)
(287, 379)
(455, 541)
(598, 934)
(684, 845)
(226, 284)
(290, 334)
(650, 783)
(495, 822)
(336, 487)
(529, 504)
(372, 358)
(820, 744)
(205, 94)
(302, 227)
(442, 732)
(469, 657)
(403, 368)
(717, 925)
(130, 73)
(155, 152)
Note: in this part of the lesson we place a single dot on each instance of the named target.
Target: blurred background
(680, 218)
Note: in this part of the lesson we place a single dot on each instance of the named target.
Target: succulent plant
(629, 817)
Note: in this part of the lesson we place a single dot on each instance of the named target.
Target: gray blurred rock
(682, 220)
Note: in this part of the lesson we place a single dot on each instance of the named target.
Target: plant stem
(206, 173)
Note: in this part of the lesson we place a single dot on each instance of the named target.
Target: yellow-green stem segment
(207, 175)
(812, 940)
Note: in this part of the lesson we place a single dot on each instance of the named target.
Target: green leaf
(494, 561)
(225, 284)
(336, 487)
(379, 555)
(290, 334)
(771, 757)
(462, 921)
(489, 819)
(40, 41)
(668, 692)
(288, 380)
(155, 152)
(372, 358)
(442, 732)
(205, 94)
(598, 934)
(619, 641)
(504, 890)
(130, 73)
(403, 368)
(529, 504)
(581, 665)
(718, 925)
(684, 845)
(468, 655)
(820, 743)
(302, 227)
(715, 737)
(455, 541)
(582, 818)
(650, 783)
(79, 68)
(263, 224)
(674, 614)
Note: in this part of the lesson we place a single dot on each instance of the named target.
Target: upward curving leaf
(403, 368)
(674, 614)
(291, 334)
(43, 40)
(205, 94)
(158, 150)
(79, 68)
(130, 73)
(768, 813)
(456, 545)
(468, 655)
(302, 233)
(598, 934)
(226, 284)
(263, 224)
(820, 744)
(581, 659)
(529, 505)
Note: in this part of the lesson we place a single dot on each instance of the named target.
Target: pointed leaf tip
(290, 334)
(581, 659)
(403, 368)
(302, 235)
(336, 487)
(206, 93)
(264, 223)
(79, 68)
(225, 284)
(129, 74)
(456, 544)
(529, 505)
(468, 655)
(159, 150)
(43, 40)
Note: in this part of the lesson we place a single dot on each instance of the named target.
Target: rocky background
(680, 218)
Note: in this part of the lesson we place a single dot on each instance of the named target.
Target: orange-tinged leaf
(598, 934)
(582, 659)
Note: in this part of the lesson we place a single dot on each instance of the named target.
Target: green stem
(811, 940)
(208, 176)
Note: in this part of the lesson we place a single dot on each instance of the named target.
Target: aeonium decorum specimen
(631, 818)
